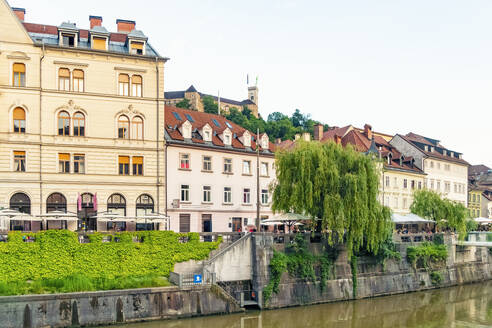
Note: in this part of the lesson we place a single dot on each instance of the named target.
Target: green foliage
(337, 185)
(427, 254)
(436, 277)
(438, 239)
(471, 225)
(353, 267)
(388, 251)
(209, 105)
(57, 255)
(278, 265)
(448, 214)
(184, 103)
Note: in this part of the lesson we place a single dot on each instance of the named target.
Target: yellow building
(475, 203)
(82, 128)
(195, 99)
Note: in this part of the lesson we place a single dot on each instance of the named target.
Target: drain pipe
(41, 133)
(157, 133)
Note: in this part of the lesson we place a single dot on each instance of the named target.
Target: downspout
(158, 135)
(41, 133)
(165, 161)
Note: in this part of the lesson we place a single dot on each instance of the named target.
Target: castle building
(83, 128)
(196, 100)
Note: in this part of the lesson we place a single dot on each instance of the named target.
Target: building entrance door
(237, 224)
(85, 212)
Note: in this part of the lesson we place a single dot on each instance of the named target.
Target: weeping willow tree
(337, 186)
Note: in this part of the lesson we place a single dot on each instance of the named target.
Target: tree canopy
(184, 103)
(209, 105)
(339, 187)
(447, 214)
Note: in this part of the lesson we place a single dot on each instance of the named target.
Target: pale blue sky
(420, 66)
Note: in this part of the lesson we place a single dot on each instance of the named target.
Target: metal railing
(413, 237)
(190, 279)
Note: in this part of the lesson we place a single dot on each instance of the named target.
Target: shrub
(426, 254)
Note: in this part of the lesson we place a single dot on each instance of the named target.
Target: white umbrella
(59, 215)
(153, 217)
(270, 223)
(482, 221)
(409, 219)
(288, 219)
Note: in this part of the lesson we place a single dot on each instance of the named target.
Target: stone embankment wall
(112, 307)
(464, 265)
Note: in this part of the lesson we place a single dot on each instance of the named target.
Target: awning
(409, 219)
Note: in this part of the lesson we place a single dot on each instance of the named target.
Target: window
(19, 75)
(64, 163)
(19, 118)
(264, 196)
(78, 80)
(395, 182)
(404, 203)
(412, 184)
(438, 185)
(217, 124)
(432, 164)
(68, 40)
(64, 79)
(136, 86)
(227, 195)
(438, 165)
(137, 162)
(185, 193)
(79, 163)
(227, 140)
(207, 136)
(21, 202)
(264, 169)
(432, 184)
(124, 84)
(117, 205)
(136, 48)
(405, 183)
(189, 118)
(99, 43)
(395, 202)
(246, 196)
(447, 167)
(137, 128)
(56, 202)
(124, 165)
(79, 124)
(246, 167)
(227, 165)
(387, 182)
(420, 185)
(145, 205)
(20, 161)
(177, 116)
(63, 124)
(207, 194)
(207, 163)
(184, 161)
(123, 127)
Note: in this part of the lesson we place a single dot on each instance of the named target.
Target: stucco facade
(44, 99)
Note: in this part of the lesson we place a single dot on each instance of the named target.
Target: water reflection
(464, 306)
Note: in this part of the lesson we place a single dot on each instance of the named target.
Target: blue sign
(197, 279)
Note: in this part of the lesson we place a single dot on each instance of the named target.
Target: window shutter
(64, 157)
(19, 153)
(124, 78)
(78, 74)
(137, 160)
(19, 114)
(137, 45)
(19, 68)
(124, 159)
(64, 72)
(99, 43)
(136, 79)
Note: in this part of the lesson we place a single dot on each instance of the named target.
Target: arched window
(145, 205)
(64, 79)
(56, 202)
(19, 117)
(137, 128)
(19, 75)
(63, 124)
(78, 80)
(123, 127)
(79, 124)
(136, 86)
(117, 204)
(124, 84)
(20, 202)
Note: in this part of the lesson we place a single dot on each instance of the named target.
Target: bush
(427, 254)
(57, 262)
(436, 277)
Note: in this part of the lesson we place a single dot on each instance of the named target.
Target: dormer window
(207, 136)
(264, 142)
(246, 139)
(136, 48)
(206, 133)
(227, 140)
(432, 149)
(426, 148)
(99, 43)
(68, 40)
(451, 154)
(444, 152)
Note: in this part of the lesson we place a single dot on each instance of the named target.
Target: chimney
(368, 131)
(318, 132)
(95, 21)
(306, 136)
(20, 13)
(278, 141)
(125, 26)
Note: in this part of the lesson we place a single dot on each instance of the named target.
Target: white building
(211, 173)
(447, 171)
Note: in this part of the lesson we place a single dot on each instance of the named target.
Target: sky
(401, 66)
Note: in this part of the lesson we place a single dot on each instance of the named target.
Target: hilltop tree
(337, 186)
(209, 105)
(185, 103)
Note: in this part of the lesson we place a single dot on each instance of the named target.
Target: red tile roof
(40, 28)
(199, 120)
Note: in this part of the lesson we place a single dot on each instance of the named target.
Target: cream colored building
(447, 171)
(211, 173)
(82, 116)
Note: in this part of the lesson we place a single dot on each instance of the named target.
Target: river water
(463, 306)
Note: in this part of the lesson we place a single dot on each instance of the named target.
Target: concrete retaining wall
(111, 307)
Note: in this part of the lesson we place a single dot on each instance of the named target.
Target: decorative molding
(71, 107)
(131, 112)
(18, 55)
(119, 68)
(59, 62)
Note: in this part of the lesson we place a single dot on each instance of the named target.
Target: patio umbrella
(482, 221)
(288, 219)
(9, 214)
(153, 217)
(58, 215)
(108, 216)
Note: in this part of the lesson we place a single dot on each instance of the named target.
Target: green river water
(463, 306)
